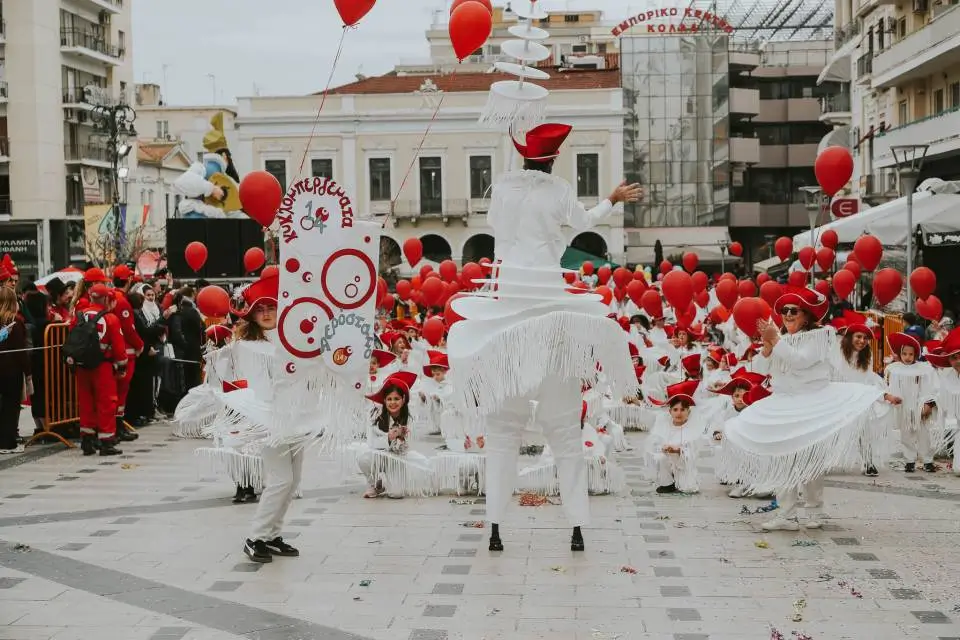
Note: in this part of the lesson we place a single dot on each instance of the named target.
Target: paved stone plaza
(145, 547)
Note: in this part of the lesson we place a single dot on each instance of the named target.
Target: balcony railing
(865, 65)
(839, 103)
(5, 147)
(79, 152)
(927, 49)
(3, 90)
(77, 95)
(846, 33)
(434, 209)
(89, 41)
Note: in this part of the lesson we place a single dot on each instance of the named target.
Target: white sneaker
(737, 491)
(781, 524)
(815, 521)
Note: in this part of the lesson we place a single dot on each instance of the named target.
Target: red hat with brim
(263, 291)
(757, 392)
(716, 354)
(740, 379)
(437, 359)
(382, 357)
(682, 390)
(402, 379)
(898, 341)
(389, 337)
(852, 322)
(99, 290)
(94, 275)
(543, 142)
(691, 364)
(218, 333)
(951, 344)
(805, 298)
(122, 272)
(937, 357)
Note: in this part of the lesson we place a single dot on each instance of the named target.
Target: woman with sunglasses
(809, 426)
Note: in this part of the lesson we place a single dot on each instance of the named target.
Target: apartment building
(60, 58)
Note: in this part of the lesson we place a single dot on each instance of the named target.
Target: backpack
(82, 346)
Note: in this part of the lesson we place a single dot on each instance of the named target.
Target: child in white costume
(675, 441)
(912, 389)
(202, 403)
(946, 358)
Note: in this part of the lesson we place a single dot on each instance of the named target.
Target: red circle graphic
(282, 330)
(356, 253)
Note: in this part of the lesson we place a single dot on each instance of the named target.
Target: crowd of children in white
(688, 388)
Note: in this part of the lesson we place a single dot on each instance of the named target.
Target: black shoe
(109, 448)
(257, 551)
(123, 435)
(88, 444)
(496, 544)
(239, 495)
(576, 541)
(249, 494)
(910, 467)
(929, 467)
(871, 472)
(278, 547)
(670, 488)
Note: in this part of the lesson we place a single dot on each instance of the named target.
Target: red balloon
(587, 268)
(702, 299)
(196, 255)
(651, 303)
(843, 283)
(636, 289)
(432, 290)
(770, 291)
(470, 25)
(700, 281)
(387, 302)
(833, 168)
(425, 272)
(639, 275)
(728, 276)
(448, 270)
(619, 294)
(270, 271)
(853, 267)
(603, 274)
(727, 292)
(470, 272)
(798, 279)
(868, 252)
(433, 330)
(415, 282)
(451, 316)
(762, 278)
(923, 282)
(253, 259)
(735, 249)
(783, 247)
(352, 11)
(887, 284)
(825, 258)
(748, 312)
(622, 277)
(690, 261)
(677, 287)
(807, 257)
(746, 288)
(213, 302)
(413, 250)
(686, 317)
(261, 195)
(404, 289)
(666, 267)
(830, 239)
(570, 277)
(381, 288)
(823, 287)
(931, 308)
(604, 291)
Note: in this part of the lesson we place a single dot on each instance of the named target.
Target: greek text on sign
(329, 199)
(690, 21)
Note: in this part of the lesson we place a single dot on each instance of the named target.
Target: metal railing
(835, 104)
(865, 65)
(89, 41)
(431, 208)
(846, 33)
(98, 152)
(76, 95)
(3, 89)
(4, 146)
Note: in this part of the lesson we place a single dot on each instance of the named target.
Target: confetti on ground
(461, 502)
(22, 548)
(558, 568)
(475, 524)
(663, 517)
(800, 635)
(627, 569)
(798, 608)
(761, 544)
(843, 584)
(775, 634)
(603, 635)
(805, 543)
(532, 500)
(126, 466)
(366, 583)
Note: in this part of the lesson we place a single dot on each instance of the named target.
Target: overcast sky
(282, 47)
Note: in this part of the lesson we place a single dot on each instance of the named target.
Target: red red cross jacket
(111, 336)
(124, 313)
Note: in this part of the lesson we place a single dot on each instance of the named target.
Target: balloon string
(323, 100)
(416, 155)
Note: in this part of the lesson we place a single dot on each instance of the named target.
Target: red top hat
(898, 341)
(853, 322)
(437, 359)
(383, 357)
(741, 379)
(716, 354)
(805, 298)
(757, 392)
(402, 379)
(730, 358)
(263, 291)
(94, 275)
(218, 333)
(122, 272)
(691, 364)
(543, 142)
(389, 337)
(682, 391)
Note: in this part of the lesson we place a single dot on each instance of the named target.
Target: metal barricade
(60, 386)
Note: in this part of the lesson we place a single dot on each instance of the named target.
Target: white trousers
(558, 414)
(673, 468)
(916, 443)
(282, 468)
(812, 499)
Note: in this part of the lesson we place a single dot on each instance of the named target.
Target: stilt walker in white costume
(526, 345)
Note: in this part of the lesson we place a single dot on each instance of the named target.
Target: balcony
(75, 98)
(745, 150)
(433, 209)
(86, 45)
(835, 109)
(922, 53)
(4, 149)
(941, 132)
(846, 33)
(96, 155)
(781, 156)
(864, 68)
(110, 6)
(745, 101)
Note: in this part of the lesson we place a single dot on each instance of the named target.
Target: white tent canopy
(936, 208)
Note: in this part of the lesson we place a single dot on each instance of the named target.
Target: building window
(938, 105)
(122, 43)
(602, 48)
(571, 18)
(166, 205)
(480, 170)
(278, 169)
(163, 129)
(431, 185)
(379, 179)
(954, 95)
(588, 178)
(321, 167)
(902, 113)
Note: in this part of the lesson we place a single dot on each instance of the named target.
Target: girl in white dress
(946, 358)
(912, 389)
(677, 437)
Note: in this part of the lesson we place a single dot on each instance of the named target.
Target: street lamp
(724, 247)
(815, 202)
(909, 159)
(114, 122)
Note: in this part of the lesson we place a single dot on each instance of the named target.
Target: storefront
(22, 241)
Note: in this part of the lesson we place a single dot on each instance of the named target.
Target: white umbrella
(68, 275)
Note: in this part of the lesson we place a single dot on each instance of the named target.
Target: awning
(840, 65)
(839, 137)
(703, 241)
(770, 264)
(573, 258)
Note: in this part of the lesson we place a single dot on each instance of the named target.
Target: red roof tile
(582, 79)
(153, 152)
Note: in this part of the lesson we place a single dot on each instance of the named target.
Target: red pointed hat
(382, 357)
(263, 291)
(9, 266)
(543, 142)
(683, 391)
(402, 379)
(805, 298)
(437, 359)
(898, 341)
(691, 364)
(741, 379)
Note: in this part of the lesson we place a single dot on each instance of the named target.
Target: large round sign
(297, 323)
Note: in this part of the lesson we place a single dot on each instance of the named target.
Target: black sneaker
(871, 472)
(929, 467)
(88, 444)
(249, 494)
(109, 448)
(257, 551)
(670, 488)
(238, 496)
(280, 548)
(910, 467)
